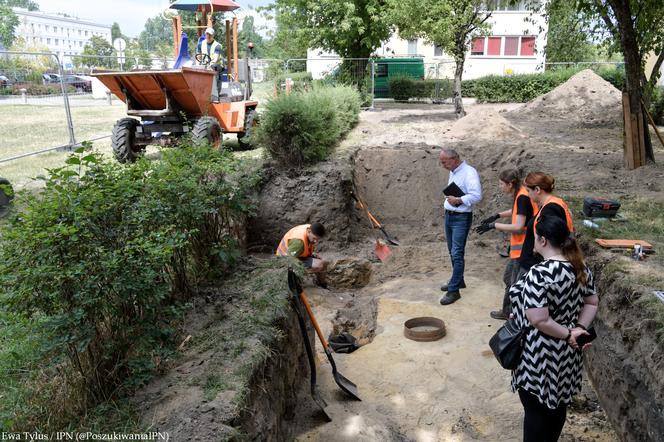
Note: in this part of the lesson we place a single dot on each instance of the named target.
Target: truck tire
(244, 138)
(207, 130)
(123, 140)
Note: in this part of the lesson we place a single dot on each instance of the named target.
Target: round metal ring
(424, 329)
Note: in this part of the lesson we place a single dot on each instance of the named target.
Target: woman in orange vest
(300, 242)
(540, 189)
(522, 211)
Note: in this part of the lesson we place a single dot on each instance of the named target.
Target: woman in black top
(540, 189)
(522, 211)
(554, 303)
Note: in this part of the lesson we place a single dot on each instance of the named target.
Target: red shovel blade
(382, 251)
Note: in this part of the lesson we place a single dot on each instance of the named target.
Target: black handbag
(507, 344)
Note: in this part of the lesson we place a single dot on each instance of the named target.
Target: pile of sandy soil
(485, 126)
(586, 99)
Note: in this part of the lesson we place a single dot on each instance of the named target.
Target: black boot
(444, 287)
(450, 298)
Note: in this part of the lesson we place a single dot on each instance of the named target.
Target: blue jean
(457, 227)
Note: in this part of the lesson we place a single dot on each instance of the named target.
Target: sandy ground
(452, 389)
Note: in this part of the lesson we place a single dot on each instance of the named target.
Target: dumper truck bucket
(161, 93)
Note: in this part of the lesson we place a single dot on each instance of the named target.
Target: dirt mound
(585, 99)
(485, 126)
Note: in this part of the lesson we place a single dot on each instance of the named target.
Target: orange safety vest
(517, 239)
(561, 203)
(297, 232)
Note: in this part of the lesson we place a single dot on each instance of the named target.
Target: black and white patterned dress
(550, 368)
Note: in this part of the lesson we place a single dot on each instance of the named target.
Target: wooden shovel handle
(310, 312)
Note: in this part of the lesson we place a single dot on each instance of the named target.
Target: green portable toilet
(387, 68)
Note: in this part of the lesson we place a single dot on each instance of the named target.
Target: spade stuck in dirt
(345, 384)
(374, 222)
(382, 250)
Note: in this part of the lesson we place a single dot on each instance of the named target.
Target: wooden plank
(641, 141)
(635, 140)
(628, 135)
(623, 243)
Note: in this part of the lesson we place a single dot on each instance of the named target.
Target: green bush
(405, 88)
(96, 267)
(657, 105)
(524, 87)
(303, 127)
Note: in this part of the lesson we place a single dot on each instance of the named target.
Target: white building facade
(64, 36)
(514, 45)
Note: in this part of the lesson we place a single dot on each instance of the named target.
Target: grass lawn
(29, 128)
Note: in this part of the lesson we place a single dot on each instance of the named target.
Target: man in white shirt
(458, 218)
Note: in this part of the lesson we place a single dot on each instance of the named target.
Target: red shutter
(527, 46)
(494, 46)
(478, 46)
(511, 46)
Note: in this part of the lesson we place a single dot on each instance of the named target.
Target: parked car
(5, 82)
(80, 82)
(51, 78)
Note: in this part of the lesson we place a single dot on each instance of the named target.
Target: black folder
(453, 190)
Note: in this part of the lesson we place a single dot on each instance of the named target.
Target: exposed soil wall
(625, 363)
(275, 386)
(292, 197)
(241, 368)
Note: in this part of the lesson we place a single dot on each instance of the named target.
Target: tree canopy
(351, 29)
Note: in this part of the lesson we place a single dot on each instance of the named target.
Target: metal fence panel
(34, 104)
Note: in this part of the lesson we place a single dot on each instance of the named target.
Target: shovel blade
(345, 384)
(315, 395)
(382, 251)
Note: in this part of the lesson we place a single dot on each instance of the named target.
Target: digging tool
(374, 222)
(295, 302)
(381, 250)
(346, 385)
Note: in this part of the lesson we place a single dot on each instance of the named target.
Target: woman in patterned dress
(555, 302)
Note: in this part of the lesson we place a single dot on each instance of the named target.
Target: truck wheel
(123, 140)
(250, 121)
(207, 130)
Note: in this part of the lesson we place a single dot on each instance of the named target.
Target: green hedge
(94, 270)
(303, 127)
(405, 88)
(524, 87)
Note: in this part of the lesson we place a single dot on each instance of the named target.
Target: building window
(86, 33)
(493, 48)
(381, 70)
(477, 46)
(511, 46)
(48, 41)
(80, 44)
(412, 47)
(437, 51)
(80, 32)
(47, 28)
(527, 46)
(57, 42)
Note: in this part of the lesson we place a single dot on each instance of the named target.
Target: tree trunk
(456, 90)
(641, 147)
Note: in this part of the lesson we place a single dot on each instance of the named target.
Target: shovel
(374, 222)
(382, 250)
(315, 394)
(346, 386)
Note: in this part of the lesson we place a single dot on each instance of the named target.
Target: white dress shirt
(468, 180)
